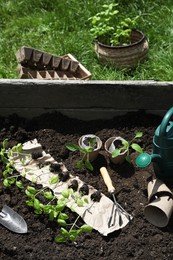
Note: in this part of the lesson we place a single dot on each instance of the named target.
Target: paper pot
(156, 186)
(160, 208)
(159, 211)
(92, 155)
(109, 147)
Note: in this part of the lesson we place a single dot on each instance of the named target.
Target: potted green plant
(116, 41)
(120, 149)
(89, 146)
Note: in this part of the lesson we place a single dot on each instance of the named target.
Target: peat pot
(126, 56)
(84, 143)
(110, 145)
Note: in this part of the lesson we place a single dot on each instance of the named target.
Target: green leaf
(138, 134)
(48, 195)
(31, 189)
(51, 215)
(4, 159)
(65, 193)
(72, 237)
(116, 152)
(88, 165)
(79, 202)
(60, 206)
(86, 200)
(30, 203)
(54, 179)
(64, 231)
(19, 184)
(61, 222)
(6, 183)
(72, 147)
(38, 211)
(128, 159)
(29, 194)
(137, 148)
(60, 239)
(86, 228)
(4, 143)
(79, 164)
(63, 216)
(36, 204)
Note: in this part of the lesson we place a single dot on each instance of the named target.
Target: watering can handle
(165, 122)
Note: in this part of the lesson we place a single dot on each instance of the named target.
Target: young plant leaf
(64, 231)
(19, 184)
(65, 193)
(60, 239)
(116, 152)
(138, 134)
(60, 206)
(54, 179)
(6, 183)
(61, 222)
(137, 148)
(31, 189)
(79, 164)
(86, 228)
(36, 204)
(88, 165)
(48, 195)
(63, 216)
(72, 147)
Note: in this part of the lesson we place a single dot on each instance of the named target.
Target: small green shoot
(127, 146)
(85, 161)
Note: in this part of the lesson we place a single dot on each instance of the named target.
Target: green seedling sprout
(54, 207)
(55, 211)
(127, 146)
(84, 162)
(5, 154)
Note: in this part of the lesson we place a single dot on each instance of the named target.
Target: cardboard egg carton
(36, 64)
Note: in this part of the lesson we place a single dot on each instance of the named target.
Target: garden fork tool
(116, 206)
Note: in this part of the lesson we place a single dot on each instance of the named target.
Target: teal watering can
(162, 156)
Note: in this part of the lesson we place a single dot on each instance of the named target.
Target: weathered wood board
(86, 100)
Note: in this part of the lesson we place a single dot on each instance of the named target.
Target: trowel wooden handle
(107, 179)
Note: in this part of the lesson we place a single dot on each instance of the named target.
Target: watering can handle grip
(107, 179)
(165, 122)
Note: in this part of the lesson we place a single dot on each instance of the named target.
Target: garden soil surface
(138, 240)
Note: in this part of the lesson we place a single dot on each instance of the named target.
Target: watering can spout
(144, 159)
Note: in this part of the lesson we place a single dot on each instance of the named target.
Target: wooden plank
(85, 96)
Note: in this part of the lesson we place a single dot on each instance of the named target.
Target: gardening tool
(12, 220)
(162, 156)
(116, 206)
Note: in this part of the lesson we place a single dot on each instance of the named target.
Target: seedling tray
(36, 64)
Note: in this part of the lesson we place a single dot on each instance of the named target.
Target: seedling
(9, 177)
(125, 145)
(85, 161)
(110, 27)
(54, 207)
(55, 211)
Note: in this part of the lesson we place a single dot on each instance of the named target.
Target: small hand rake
(116, 206)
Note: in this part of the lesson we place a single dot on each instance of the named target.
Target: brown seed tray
(37, 64)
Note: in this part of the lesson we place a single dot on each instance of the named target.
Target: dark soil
(138, 240)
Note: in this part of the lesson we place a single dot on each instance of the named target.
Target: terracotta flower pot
(83, 143)
(126, 56)
(110, 146)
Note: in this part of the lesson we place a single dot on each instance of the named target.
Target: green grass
(62, 27)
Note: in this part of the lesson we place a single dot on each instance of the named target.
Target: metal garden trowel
(12, 220)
